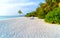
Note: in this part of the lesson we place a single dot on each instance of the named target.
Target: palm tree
(19, 11)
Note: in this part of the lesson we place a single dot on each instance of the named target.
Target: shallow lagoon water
(9, 17)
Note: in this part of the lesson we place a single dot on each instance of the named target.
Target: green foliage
(53, 16)
(19, 11)
(31, 14)
(44, 9)
(48, 1)
(41, 14)
(57, 1)
(50, 11)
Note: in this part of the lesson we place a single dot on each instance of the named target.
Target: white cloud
(4, 1)
(8, 9)
(19, 4)
(13, 1)
(25, 4)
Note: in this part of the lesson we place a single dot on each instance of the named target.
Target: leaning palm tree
(19, 11)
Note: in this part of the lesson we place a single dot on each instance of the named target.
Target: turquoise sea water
(7, 17)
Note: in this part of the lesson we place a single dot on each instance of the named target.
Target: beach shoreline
(25, 27)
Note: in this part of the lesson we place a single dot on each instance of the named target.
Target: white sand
(25, 27)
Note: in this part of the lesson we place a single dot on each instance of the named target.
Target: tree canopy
(19, 11)
(45, 8)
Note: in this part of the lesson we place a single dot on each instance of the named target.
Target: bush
(31, 14)
(41, 14)
(53, 16)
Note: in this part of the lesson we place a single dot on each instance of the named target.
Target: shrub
(53, 16)
(41, 14)
(31, 14)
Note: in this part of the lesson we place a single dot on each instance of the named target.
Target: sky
(11, 7)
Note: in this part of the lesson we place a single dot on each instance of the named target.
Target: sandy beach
(26, 27)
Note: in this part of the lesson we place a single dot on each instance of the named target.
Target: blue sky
(11, 7)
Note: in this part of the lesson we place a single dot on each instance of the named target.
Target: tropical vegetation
(53, 16)
(19, 11)
(47, 11)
